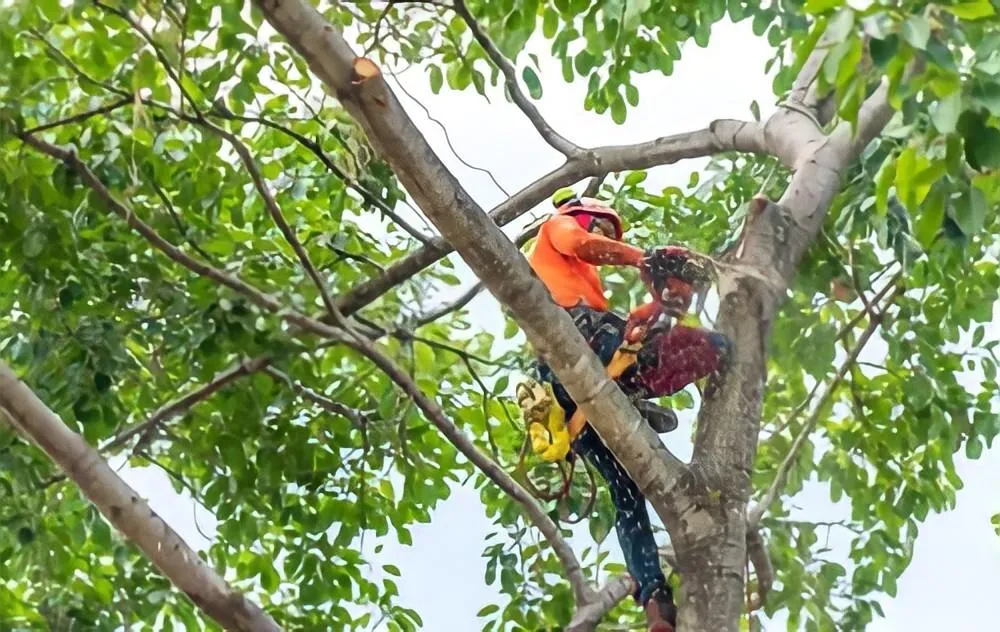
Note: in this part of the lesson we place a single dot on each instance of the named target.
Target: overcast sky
(952, 580)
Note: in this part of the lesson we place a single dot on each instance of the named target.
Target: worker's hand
(640, 320)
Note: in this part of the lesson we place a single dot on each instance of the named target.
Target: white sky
(952, 580)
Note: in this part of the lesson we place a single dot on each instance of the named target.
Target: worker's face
(603, 226)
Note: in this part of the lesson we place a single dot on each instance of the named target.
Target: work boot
(661, 614)
(661, 420)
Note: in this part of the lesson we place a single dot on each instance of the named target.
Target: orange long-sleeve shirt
(565, 259)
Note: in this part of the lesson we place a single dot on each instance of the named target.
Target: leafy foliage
(106, 330)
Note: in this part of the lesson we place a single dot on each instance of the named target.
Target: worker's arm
(569, 238)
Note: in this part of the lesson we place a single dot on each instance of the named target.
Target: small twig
(83, 116)
(272, 206)
(181, 227)
(846, 329)
(550, 136)
(447, 138)
(344, 254)
(447, 308)
(356, 417)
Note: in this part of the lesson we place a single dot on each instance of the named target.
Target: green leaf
(970, 211)
(973, 448)
(486, 611)
(816, 7)
(931, 217)
(987, 93)
(618, 112)
(883, 50)
(982, 147)
(633, 12)
(916, 31)
(946, 112)
(883, 181)
(436, 79)
(532, 82)
(973, 10)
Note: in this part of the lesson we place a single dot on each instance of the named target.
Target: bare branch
(545, 130)
(182, 404)
(356, 417)
(760, 559)
(781, 476)
(83, 116)
(447, 308)
(586, 618)
(127, 511)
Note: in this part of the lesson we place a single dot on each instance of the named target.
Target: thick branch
(491, 255)
(130, 514)
(586, 618)
(545, 130)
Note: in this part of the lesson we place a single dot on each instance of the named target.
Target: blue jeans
(605, 332)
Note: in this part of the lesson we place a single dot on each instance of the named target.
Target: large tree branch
(721, 136)
(545, 130)
(131, 515)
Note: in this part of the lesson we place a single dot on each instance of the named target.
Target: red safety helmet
(576, 206)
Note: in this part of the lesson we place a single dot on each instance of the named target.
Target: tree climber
(646, 357)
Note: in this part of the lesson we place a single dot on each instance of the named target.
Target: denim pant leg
(635, 533)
